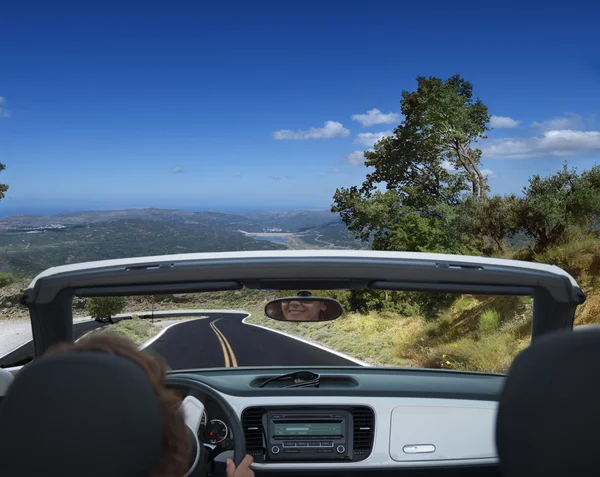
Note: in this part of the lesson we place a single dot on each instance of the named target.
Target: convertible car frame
(49, 296)
(430, 420)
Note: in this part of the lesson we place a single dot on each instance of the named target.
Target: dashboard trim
(383, 406)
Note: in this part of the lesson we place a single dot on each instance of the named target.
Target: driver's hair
(175, 458)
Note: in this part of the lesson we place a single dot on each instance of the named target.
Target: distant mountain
(27, 222)
(30, 244)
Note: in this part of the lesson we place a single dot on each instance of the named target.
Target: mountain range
(31, 243)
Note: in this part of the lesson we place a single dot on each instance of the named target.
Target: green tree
(103, 308)
(554, 204)
(422, 171)
(489, 223)
(3, 187)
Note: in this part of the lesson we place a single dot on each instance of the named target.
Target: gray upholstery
(6, 379)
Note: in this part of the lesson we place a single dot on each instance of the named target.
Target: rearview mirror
(304, 308)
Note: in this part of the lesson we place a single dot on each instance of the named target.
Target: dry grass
(580, 257)
(476, 334)
(589, 312)
(137, 330)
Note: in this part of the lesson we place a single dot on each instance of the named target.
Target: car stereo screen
(308, 429)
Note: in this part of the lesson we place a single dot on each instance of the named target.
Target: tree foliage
(554, 204)
(490, 223)
(104, 308)
(3, 187)
(426, 168)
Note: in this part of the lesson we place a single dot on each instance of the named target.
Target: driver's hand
(243, 470)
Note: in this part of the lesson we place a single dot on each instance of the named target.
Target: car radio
(308, 435)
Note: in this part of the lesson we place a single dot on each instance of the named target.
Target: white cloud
(356, 158)
(447, 165)
(4, 113)
(563, 142)
(177, 170)
(336, 170)
(276, 178)
(570, 121)
(488, 173)
(374, 116)
(331, 130)
(503, 122)
(369, 139)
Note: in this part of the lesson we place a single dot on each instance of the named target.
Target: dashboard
(214, 427)
(358, 419)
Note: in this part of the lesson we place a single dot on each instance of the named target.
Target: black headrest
(84, 414)
(548, 420)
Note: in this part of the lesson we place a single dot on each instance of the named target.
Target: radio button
(327, 444)
(275, 450)
(340, 449)
(324, 451)
(289, 444)
(301, 444)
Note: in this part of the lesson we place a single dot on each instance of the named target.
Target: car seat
(548, 421)
(89, 414)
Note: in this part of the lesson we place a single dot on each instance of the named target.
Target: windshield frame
(555, 293)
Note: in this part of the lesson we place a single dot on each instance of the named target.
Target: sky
(269, 105)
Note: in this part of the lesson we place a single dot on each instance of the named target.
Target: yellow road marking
(225, 354)
(222, 336)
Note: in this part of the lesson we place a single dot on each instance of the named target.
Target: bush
(579, 256)
(493, 354)
(6, 279)
(489, 321)
(102, 308)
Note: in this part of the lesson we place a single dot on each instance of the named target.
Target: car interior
(538, 419)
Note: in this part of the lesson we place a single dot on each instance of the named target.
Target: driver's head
(175, 458)
(303, 310)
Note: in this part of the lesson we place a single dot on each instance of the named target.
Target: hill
(30, 244)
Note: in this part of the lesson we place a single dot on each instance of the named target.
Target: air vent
(253, 431)
(364, 431)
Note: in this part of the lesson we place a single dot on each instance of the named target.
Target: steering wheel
(184, 383)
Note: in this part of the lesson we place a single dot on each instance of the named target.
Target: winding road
(216, 339)
(223, 340)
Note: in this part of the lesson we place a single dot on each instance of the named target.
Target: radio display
(307, 429)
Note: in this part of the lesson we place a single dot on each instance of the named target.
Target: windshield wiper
(299, 379)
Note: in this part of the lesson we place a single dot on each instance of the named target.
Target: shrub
(489, 321)
(6, 279)
(105, 307)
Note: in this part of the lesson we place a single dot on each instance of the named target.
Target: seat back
(548, 421)
(71, 415)
(6, 379)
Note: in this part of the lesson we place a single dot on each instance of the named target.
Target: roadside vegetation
(427, 192)
(436, 198)
(136, 329)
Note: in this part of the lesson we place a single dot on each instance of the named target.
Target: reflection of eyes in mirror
(303, 309)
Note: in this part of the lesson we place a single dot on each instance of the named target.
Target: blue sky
(181, 104)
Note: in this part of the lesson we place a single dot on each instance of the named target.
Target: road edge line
(166, 328)
(163, 331)
(305, 341)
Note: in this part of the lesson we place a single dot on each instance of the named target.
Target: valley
(30, 244)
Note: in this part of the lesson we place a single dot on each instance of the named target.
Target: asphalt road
(15, 357)
(222, 340)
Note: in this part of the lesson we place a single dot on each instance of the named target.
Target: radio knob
(340, 449)
(275, 450)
